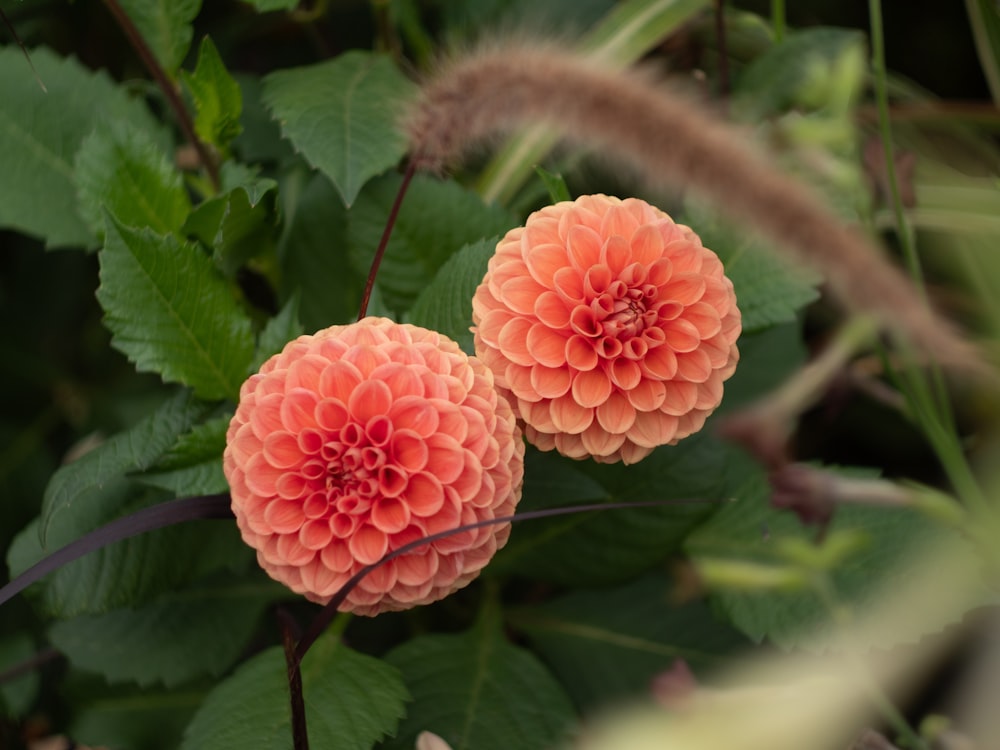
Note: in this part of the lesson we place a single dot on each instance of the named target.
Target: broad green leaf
(750, 530)
(478, 692)
(18, 695)
(193, 466)
(616, 544)
(120, 169)
(88, 491)
(126, 717)
(239, 224)
(445, 305)
(182, 635)
(39, 135)
(171, 312)
(984, 17)
(278, 331)
(218, 101)
(341, 115)
(261, 139)
(133, 571)
(352, 701)
(436, 219)
(767, 358)
(606, 645)
(165, 25)
(313, 251)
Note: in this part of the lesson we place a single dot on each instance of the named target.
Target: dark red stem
(289, 636)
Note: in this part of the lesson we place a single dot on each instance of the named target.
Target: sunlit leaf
(217, 98)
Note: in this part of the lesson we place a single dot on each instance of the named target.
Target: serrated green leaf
(341, 115)
(218, 101)
(751, 530)
(261, 139)
(445, 305)
(193, 466)
(18, 695)
(435, 221)
(172, 313)
(122, 170)
(768, 357)
(196, 631)
(606, 645)
(278, 331)
(239, 224)
(165, 25)
(90, 490)
(314, 255)
(39, 135)
(352, 701)
(614, 545)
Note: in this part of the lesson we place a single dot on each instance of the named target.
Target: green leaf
(171, 312)
(614, 545)
(126, 717)
(554, 183)
(278, 331)
(165, 25)
(768, 357)
(40, 133)
(435, 221)
(313, 251)
(445, 305)
(750, 530)
(17, 696)
(352, 701)
(984, 17)
(263, 6)
(218, 101)
(341, 115)
(477, 691)
(88, 491)
(121, 170)
(606, 645)
(261, 139)
(193, 466)
(173, 639)
(238, 224)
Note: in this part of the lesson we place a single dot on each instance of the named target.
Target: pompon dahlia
(609, 327)
(359, 439)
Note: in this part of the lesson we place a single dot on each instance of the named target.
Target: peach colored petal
(552, 310)
(413, 413)
(591, 388)
(652, 428)
(518, 380)
(520, 294)
(446, 457)
(599, 442)
(547, 345)
(646, 245)
(682, 336)
(694, 366)
(368, 544)
(648, 395)
(513, 341)
(568, 416)
(680, 398)
(550, 382)
(291, 552)
(315, 534)
(584, 248)
(616, 254)
(568, 283)
(390, 515)
(543, 261)
(424, 494)
(618, 221)
(580, 353)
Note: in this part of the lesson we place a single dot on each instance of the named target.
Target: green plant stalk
(627, 33)
(987, 45)
(778, 19)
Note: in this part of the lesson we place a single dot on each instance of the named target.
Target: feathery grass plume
(670, 138)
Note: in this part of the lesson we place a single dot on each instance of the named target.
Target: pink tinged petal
(599, 442)
(291, 486)
(391, 481)
(653, 428)
(390, 515)
(625, 373)
(618, 220)
(635, 348)
(616, 254)
(298, 410)
(368, 544)
(518, 380)
(261, 477)
(470, 479)
(568, 283)
(569, 416)
(342, 524)
(584, 246)
(313, 469)
(659, 363)
(424, 494)
(550, 382)
(380, 581)
(608, 347)
(544, 441)
(591, 388)
(402, 379)
(547, 346)
(316, 505)
(694, 366)
(266, 418)
(519, 294)
(660, 272)
(370, 399)
(539, 230)
(632, 453)
(338, 380)
(417, 567)
(597, 280)
(315, 534)
(446, 458)
(668, 311)
(571, 446)
(416, 414)
(552, 310)
(647, 244)
(680, 397)
(310, 442)
(685, 255)
(705, 318)
(513, 341)
(292, 552)
(616, 415)
(305, 372)
(682, 336)
(685, 289)
(653, 336)
(365, 358)
(378, 430)
(584, 321)
(648, 395)
(580, 353)
(490, 326)
(709, 393)
(434, 385)
(243, 443)
(320, 580)
(452, 424)
(281, 449)
(284, 516)
(543, 262)
(634, 276)
(337, 557)
(538, 415)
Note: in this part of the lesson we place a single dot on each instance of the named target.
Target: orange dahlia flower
(609, 327)
(360, 439)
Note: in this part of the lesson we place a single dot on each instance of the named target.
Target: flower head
(362, 438)
(610, 328)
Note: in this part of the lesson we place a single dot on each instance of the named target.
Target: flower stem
(289, 637)
(778, 19)
(390, 222)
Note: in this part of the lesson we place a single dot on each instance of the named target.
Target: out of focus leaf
(18, 695)
(218, 101)
(165, 25)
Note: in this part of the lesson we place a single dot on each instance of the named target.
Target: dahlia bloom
(608, 326)
(362, 438)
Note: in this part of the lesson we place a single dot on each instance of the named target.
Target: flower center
(622, 311)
